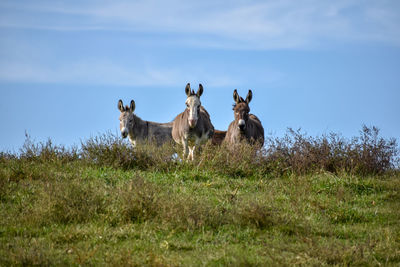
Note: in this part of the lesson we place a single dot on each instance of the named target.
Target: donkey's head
(241, 109)
(193, 104)
(126, 119)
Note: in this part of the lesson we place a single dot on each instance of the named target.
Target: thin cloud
(86, 72)
(238, 25)
(115, 74)
(106, 73)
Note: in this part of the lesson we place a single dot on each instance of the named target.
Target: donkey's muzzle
(192, 123)
(242, 125)
(124, 134)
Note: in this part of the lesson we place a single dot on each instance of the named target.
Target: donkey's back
(255, 131)
(160, 132)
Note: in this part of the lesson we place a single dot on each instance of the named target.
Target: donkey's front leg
(132, 141)
(185, 148)
(191, 153)
(196, 144)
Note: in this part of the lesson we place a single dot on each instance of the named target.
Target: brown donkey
(139, 130)
(193, 126)
(218, 137)
(245, 126)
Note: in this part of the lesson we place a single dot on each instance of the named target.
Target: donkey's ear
(200, 91)
(132, 107)
(187, 89)
(249, 97)
(236, 96)
(121, 106)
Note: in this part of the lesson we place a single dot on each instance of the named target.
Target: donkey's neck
(139, 129)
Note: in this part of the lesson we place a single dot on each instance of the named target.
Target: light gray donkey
(193, 126)
(139, 130)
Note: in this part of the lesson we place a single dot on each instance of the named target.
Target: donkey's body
(193, 126)
(245, 126)
(218, 137)
(138, 130)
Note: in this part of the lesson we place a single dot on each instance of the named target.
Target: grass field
(106, 204)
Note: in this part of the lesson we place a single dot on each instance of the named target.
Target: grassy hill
(302, 200)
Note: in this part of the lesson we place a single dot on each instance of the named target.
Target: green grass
(75, 214)
(110, 205)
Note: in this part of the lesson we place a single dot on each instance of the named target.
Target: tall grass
(366, 154)
(47, 152)
(294, 153)
(110, 150)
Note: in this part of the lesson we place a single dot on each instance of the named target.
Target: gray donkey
(193, 126)
(245, 126)
(139, 130)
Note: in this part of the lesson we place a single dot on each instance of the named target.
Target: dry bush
(302, 154)
(108, 150)
(295, 153)
(47, 152)
(111, 150)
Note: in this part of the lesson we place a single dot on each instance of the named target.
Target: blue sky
(320, 65)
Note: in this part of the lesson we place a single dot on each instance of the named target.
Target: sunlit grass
(107, 204)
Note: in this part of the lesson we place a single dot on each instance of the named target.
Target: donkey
(245, 126)
(193, 126)
(139, 130)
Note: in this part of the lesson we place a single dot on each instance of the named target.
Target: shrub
(301, 154)
(47, 152)
(296, 152)
(110, 150)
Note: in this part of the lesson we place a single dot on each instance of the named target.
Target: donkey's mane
(205, 111)
(241, 100)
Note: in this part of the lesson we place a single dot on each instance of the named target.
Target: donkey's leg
(191, 153)
(197, 144)
(185, 148)
(132, 141)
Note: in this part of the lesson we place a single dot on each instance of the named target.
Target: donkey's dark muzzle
(242, 125)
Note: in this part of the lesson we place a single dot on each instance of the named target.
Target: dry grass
(297, 153)
(301, 154)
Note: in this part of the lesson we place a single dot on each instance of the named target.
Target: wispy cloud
(103, 72)
(87, 72)
(107, 73)
(238, 24)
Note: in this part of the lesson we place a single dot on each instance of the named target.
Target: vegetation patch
(298, 201)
